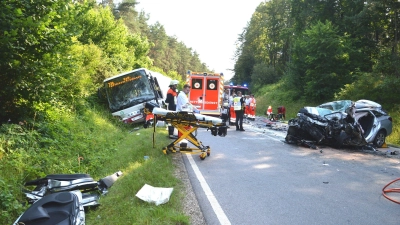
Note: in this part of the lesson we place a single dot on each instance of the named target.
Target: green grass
(90, 142)
(273, 95)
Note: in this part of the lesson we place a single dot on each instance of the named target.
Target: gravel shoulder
(190, 204)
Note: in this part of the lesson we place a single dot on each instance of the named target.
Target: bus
(127, 92)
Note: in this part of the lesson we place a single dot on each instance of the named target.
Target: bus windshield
(128, 90)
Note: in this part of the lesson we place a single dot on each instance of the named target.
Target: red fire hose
(384, 191)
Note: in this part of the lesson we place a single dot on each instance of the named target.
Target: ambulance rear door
(204, 93)
(211, 97)
(197, 91)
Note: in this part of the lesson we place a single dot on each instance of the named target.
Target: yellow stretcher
(187, 123)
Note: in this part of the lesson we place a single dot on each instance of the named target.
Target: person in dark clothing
(238, 106)
(282, 112)
(283, 109)
(225, 107)
(171, 101)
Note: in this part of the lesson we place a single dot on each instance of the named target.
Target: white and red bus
(127, 92)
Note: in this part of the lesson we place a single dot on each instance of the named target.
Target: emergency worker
(283, 112)
(232, 115)
(252, 107)
(239, 105)
(280, 112)
(225, 108)
(171, 100)
(269, 112)
(183, 103)
(247, 108)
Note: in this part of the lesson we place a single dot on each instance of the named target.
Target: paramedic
(269, 112)
(171, 101)
(225, 108)
(247, 108)
(238, 105)
(252, 110)
(183, 103)
(283, 112)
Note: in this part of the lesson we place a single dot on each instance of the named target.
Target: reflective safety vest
(237, 104)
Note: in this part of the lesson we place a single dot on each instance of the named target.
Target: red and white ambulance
(206, 91)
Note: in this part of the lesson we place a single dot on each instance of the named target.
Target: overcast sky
(210, 27)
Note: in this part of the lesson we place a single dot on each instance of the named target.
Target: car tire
(380, 138)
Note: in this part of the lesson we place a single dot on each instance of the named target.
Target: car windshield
(337, 106)
(128, 90)
(323, 112)
(317, 110)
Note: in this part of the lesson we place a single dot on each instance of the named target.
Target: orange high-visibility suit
(252, 108)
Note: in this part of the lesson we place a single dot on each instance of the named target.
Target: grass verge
(90, 142)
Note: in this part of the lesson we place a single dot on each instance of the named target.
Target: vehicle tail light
(390, 118)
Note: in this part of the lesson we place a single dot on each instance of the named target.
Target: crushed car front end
(341, 123)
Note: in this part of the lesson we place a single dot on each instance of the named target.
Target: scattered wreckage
(61, 198)
(363, 123)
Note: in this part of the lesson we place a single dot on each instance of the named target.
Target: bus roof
(125, 73)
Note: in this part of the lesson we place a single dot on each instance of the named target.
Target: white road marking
(223, 219)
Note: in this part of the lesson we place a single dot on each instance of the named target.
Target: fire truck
(233, 89)
(206, 91)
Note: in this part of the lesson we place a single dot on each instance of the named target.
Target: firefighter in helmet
(171, 101)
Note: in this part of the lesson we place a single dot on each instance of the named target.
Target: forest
(55, 54)
(320, 50)
(59, 52)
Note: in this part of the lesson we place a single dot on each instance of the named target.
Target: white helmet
(173, 82)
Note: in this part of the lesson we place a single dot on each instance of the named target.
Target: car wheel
(380, 138)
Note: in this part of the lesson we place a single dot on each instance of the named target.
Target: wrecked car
(341, 123)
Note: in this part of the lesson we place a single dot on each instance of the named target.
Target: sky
(209, 27)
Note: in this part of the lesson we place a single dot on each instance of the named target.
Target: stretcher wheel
(164, 150)
(203, 155)
(172, 149)
(208, 152)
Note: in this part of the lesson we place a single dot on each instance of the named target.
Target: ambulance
(206, 91)
(233, 89)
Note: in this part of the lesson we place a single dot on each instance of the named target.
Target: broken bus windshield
(128, 90)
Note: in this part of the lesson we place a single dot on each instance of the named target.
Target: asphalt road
(253, 177)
